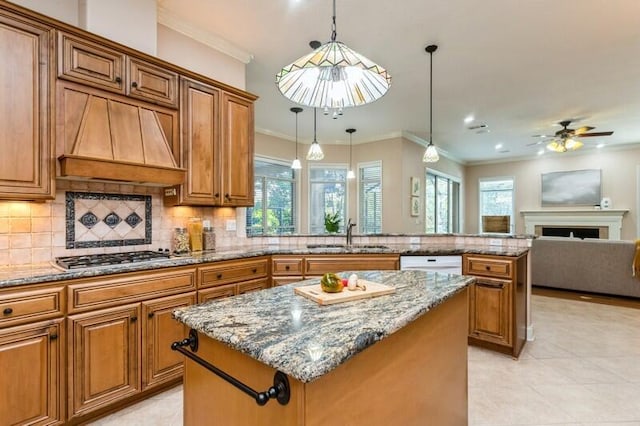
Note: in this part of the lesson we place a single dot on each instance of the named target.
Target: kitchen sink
(315, 246)
(344, 246)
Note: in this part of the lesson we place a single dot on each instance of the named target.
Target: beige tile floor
(583, 368)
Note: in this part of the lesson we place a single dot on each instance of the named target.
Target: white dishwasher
(446, 264)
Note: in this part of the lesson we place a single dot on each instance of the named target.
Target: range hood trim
(91, 168)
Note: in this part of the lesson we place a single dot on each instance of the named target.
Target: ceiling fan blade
(582, 130)
(586, 135)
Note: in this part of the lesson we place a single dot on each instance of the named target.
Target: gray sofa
(589, 265)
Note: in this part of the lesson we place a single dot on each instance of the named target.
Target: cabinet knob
(53, 337)
(134, 84)
(226, 197)
(219, 276)
(487, 267)
(7, 311)
(151, 315)
(216, 195)
(118, 80)
(134, 319)
(254, 270)
(287, 267)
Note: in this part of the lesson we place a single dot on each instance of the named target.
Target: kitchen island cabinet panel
(26, 147)
(32, 378)
(319, 265)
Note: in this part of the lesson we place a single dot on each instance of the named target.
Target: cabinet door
(219, 292)
(151, 83)
(490, 310)
(159, 363)
(90, 63)
(237, 151)
(200, 135)
(103, 357)
(26, 151)
(32, 382)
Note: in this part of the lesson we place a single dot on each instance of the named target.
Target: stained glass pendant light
(333, 76)
(295, 165)
(350, 173)
(431, 153)
(315, 152)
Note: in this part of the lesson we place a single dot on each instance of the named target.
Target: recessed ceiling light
(601, 145)
(468, 119)
(541, 151)
(498, 146)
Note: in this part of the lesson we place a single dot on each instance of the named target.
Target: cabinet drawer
(286, 265)
(284, 280)
(151, 83)
(315, 266)
(33, 305)
(90, 63)
(254, 285)
(232, 272)
(219, 292)
(123, 288)
(491, 267)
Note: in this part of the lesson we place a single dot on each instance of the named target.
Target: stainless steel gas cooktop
(93, 260)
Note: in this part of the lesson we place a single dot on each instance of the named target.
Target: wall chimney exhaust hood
(108, 138)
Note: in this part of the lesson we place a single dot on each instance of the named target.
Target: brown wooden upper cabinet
(26, 148)
(217, 147)
(95, 65)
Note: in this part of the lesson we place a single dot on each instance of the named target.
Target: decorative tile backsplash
(107, 220)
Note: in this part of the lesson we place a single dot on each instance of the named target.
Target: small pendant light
(350, 173)
(315, 152)
(431, 153)
(295, 165)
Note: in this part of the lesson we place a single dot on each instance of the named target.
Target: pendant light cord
(333, 25)
(430, 97)
(296, 135)
(315, 140)
(350, 148)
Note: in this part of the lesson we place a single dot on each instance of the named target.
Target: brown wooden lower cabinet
(286, 280)
(31, 374)
(228, 290)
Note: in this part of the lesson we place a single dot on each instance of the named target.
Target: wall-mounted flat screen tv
(573, 188)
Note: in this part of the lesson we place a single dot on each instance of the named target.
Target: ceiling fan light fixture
(333, 76)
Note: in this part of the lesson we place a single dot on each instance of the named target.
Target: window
(370, 198)
(496, 201)
(442, 205)
(274, 209)
(327, 195)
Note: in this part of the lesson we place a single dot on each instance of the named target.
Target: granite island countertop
(306, 340)
(43, 273)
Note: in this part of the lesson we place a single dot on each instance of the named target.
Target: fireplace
(573, 231)
(583, 223)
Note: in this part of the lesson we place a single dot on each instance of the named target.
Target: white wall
(188, 53)
(132, 23)
(619, 182)
(63, 10)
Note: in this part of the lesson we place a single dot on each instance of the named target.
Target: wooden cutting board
(315, 293)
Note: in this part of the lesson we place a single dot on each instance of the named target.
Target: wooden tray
(315, 293)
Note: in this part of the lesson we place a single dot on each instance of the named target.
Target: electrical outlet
(231, 224)
(495, 241)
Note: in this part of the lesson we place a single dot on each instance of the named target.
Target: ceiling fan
(565, 139)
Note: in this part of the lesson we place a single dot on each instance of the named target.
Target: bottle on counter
(180, 243)
(194, 226)
(208, 239)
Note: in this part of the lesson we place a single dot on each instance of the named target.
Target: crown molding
(170, 20)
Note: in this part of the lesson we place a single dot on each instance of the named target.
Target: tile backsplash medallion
(34, 232)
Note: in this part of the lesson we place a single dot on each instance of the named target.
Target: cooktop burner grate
(92, 260)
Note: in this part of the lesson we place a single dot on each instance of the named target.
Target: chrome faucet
(350, 226)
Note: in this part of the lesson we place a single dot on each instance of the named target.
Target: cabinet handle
(53, 337)
(134, 319)
(216, 195)
(219, 276)
(151, 315)
(226, 197)
(7, 311)
(118, 80)
(134, 84)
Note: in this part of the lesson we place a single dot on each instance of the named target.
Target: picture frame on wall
(415, 206)
(415, 186)
(571, 188)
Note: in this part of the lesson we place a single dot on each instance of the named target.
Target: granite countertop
(306, 340)
(42, 273)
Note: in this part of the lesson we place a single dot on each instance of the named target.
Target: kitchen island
(394, 359)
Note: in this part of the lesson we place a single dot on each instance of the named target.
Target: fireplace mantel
(611, 218)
